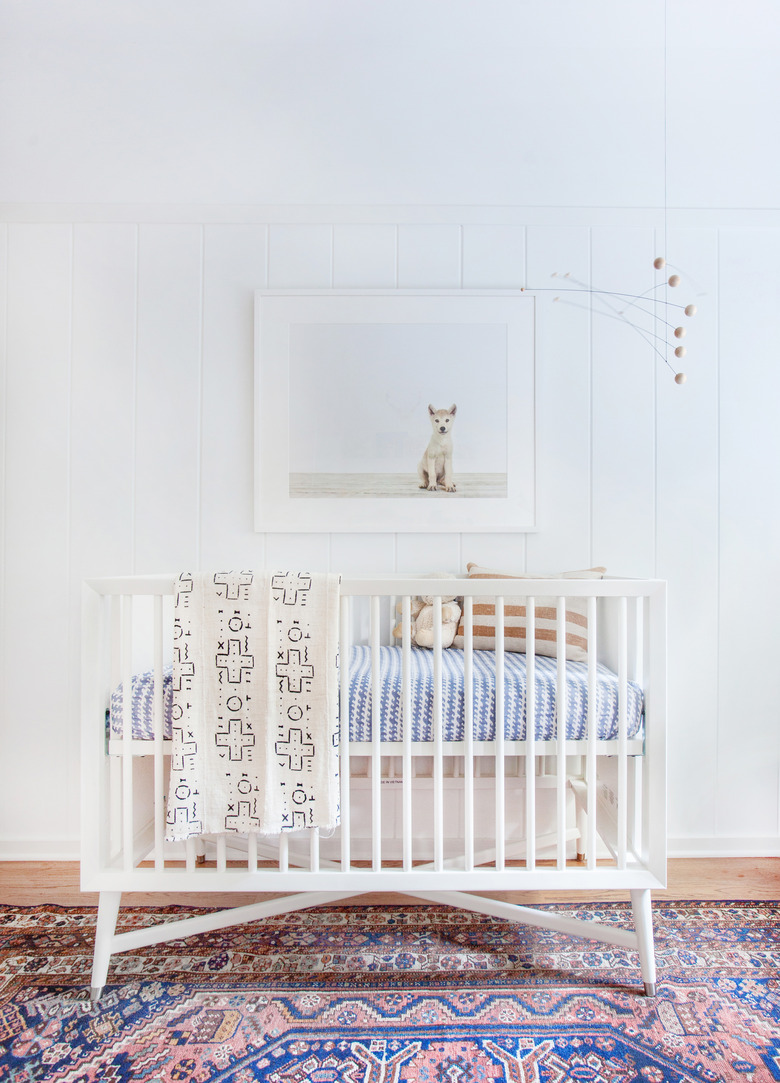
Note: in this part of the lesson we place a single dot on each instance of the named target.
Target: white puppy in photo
(435, 467)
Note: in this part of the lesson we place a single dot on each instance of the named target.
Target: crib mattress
(453, 698)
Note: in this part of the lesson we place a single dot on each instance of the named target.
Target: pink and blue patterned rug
(388, 995)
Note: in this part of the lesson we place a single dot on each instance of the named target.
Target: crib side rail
(400, 585)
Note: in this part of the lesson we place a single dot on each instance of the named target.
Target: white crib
(436, 820)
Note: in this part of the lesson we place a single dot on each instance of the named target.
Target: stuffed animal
(422, 612)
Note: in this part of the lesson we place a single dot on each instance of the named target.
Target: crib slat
(590, 845)
(530, 733)
(561, 711)
(115, 767)
(468, 726)
(406, 693)
(251, 852)
(157, 720)
(500, 753)
(314, 849)
(636, 673)
(635, 835)
(622, 729)
(221, 853)
(284, 852)
(438, 755)
(127, 732)
(97, 783)
(376, 753)
(344, 766)
(115, 633)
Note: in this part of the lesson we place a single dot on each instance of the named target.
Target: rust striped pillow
(546, 618)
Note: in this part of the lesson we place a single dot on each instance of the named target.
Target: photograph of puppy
(435, 467)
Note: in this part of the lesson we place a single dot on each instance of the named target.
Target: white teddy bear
(422, 612)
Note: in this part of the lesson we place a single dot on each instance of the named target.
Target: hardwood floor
(29, 883)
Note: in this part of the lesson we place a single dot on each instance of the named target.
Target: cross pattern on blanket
(255, 704)
(295, 750)
(235, 736)
(233, 582)
(184, 668)
(239, 815)
(233, 659)
(183, 749)
(293, 587)
(293, 671)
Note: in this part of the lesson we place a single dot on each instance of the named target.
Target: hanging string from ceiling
(637, 310)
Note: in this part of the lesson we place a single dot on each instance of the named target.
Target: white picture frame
(343, 382)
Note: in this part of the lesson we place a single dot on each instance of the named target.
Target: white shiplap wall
(115, 326)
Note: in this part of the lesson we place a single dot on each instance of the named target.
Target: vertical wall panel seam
(718, 554)
(397, 232)
(656, 419)
(134, 405)
(69, 408)
(4, 462)
(524, 536)
(68, 561)
(267, 284)
(201, 364)
(666, 123)
(590, 399)
(718, 558)
(397, 238)
(460, 281)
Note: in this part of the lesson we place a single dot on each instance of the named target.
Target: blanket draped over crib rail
(255, 704)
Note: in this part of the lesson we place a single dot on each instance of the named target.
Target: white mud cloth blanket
(255, 704)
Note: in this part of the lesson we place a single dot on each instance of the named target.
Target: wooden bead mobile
(634, 307)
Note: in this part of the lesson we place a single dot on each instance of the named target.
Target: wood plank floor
(29, 883)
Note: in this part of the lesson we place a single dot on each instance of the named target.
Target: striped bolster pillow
(546, 618)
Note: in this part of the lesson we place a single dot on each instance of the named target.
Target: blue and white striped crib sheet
(453, 698)
(484, 700)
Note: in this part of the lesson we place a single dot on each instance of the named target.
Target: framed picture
(394, 410)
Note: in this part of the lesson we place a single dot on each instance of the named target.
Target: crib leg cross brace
(108, 942)
(640, 940)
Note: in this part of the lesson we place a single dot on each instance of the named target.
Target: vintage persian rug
(392, 994)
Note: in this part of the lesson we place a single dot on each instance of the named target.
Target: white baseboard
(39, 850)
(761, 846)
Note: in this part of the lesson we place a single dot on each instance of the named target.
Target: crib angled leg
(108, 910)
(643, 923)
